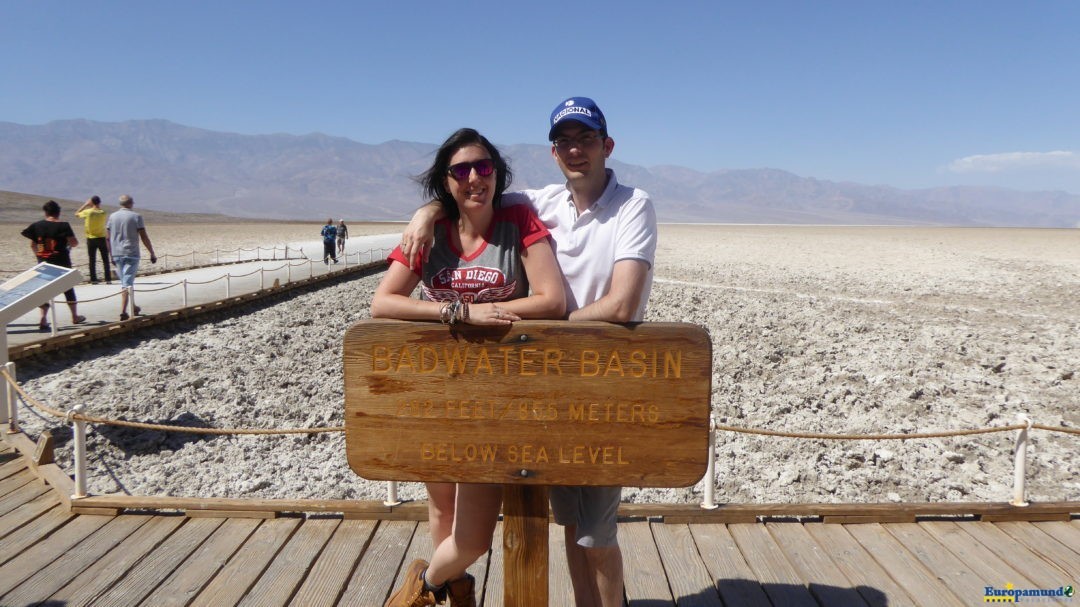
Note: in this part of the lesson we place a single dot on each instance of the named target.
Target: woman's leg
(441, 497)
(476, 512)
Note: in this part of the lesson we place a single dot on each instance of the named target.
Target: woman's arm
(548, 300)
(392, 297)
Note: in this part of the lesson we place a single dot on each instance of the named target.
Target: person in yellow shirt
(93, 217)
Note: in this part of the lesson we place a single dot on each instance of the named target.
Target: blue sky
(910, 94)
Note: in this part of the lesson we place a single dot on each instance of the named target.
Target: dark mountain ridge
(178, 168)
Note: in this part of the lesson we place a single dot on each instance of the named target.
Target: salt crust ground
(853, 329)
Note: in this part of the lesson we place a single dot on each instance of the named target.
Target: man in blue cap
(605, 241)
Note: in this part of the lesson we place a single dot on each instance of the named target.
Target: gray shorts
(594, 510)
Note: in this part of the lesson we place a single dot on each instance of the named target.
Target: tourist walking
(97, 243)
(329, 241)
(605, 239)
(520, 279)
(125, 230)
(342, 236)
(51, 241)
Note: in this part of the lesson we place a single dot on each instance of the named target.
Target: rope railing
(213, 257)
(76, 417)
(221, 256)
(227, 277)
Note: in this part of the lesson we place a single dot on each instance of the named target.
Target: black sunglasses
(462, 170)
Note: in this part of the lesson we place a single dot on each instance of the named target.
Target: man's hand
(153, 258)
(419, 235)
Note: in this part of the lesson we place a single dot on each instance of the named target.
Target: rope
(175, 284)
(818, 435)
(70, 415)
(811, 435)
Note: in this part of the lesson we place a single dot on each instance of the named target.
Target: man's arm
(622, 299)
(146, 243)
(419, 235)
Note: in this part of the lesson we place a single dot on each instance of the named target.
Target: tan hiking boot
(412, 592)
(462, 591)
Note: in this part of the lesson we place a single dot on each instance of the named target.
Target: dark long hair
(433, 180)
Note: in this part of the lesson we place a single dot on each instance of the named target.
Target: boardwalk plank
(989, 569)
(15, 481)
(493, 591)
(14, 465)
(560, 589)
(330, 573)
(248, 563)
(152, 569)
(1044, 545)
(289, 568)
(1018, 556)
(74, 561)
(189, 580)
(1065, 532)
(904, 567)
(771, 568)
(957, 576)
(14, 543)
(690, 581)
(872, 582)
(377, 572)
(732, 577)
(825, 580)
(20, 496)
(100, 576)
(39, 555)
(14, 520)
(643, 570)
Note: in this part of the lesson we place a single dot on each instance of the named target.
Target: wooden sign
(538, 402)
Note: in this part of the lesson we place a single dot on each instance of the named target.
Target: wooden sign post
(534, 404)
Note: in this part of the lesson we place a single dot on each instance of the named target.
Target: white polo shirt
(620, 225)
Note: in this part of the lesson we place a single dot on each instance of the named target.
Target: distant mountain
(172, 167)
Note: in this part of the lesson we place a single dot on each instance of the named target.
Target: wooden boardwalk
(50, 556)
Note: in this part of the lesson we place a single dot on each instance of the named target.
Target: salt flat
(822, 329)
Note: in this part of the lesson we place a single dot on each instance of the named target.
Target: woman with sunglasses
(488, 266)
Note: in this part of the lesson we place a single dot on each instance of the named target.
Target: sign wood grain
(538, 402)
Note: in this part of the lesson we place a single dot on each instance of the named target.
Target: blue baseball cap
(577, 109)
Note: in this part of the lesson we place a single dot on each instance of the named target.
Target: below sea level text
(602, 455)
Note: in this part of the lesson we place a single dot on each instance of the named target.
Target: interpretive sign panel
(538, 402)
(34, 287)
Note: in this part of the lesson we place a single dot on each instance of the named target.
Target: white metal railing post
(52, 315)
(239, 254)
(262, 278)
(391, 494)
(131, 297)
(1020, 462)
(310, 268)
(185, 292)
(709, 502)
(10, 413)
(228, 285)
(288, 270)
(79, 428)
(286, 252)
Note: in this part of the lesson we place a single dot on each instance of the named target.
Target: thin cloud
(1011, 161)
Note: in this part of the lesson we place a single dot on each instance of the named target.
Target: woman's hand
(490, 314)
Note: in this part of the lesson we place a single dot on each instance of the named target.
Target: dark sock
(439, 591)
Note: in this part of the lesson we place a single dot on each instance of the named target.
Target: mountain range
(172, 167)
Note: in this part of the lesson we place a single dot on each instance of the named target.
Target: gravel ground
(847, 329)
